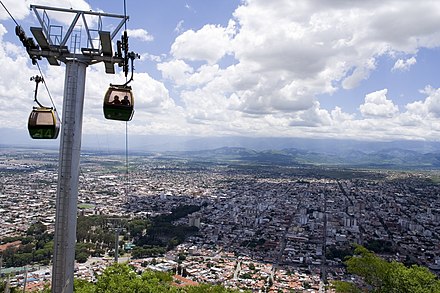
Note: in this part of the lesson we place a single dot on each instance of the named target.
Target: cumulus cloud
(15, 85)
(313, 117)
(151, 95)
(66, 17)
(210, 44)
(154, 58)
(140, 34)
(359, 73)
(262, 73)
(152, 103)
(404, 65)
(18, 9)
(289, 52)
(430, 106)
(338, 116)
(377, 105)
(77, 5)
(433, 104)
(176, 70)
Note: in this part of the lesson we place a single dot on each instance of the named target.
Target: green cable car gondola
(119, 99)
(43, 123)
(119, 103)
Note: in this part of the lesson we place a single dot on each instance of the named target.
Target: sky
(344, 69)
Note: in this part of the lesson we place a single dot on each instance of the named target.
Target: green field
(83, 206)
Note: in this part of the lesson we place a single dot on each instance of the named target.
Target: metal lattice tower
(52, 46)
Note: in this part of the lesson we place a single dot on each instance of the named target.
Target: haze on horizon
(312, 69)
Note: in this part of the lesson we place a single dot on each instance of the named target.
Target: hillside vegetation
(123, 278)
(380, 276)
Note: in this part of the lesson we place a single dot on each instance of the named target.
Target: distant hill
(392, 158)
(406, 154)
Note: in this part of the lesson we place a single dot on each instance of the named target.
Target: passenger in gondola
(125, 101)
(116, 101)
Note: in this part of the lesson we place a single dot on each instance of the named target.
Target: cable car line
(125, 14)
(43, 122)
(114, 107)
(48, 92)
(73, 107)
(9, 13)
(127, 185)
(20, 33)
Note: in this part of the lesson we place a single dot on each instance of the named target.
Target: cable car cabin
(118, 103)
(43, 123)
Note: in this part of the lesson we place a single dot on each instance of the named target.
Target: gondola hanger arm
(37, 80)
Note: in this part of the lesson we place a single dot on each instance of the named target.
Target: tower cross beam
(70, 30)
(64, 56)
(78, 14)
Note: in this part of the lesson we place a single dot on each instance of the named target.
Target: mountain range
(403, 154)
(391, 158)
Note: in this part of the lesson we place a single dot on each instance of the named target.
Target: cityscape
(276, 146)
(273, 226)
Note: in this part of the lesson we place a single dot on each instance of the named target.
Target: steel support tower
(53, 45)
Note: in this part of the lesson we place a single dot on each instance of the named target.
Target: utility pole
(117, 230)
(7, 290)
(53, 45)
(117, 225)
(324, 244)
(25, 279)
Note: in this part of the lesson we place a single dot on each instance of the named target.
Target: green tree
(83, 251)
(122, 278)
(381, 276)
(345, 287)
(205, 288)
(137, 226)
(374, 270)
(81, 257)
(118, 278)
(413, 279)
(83, 286)
(22, 259)
(181, 257)
(36, 228)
